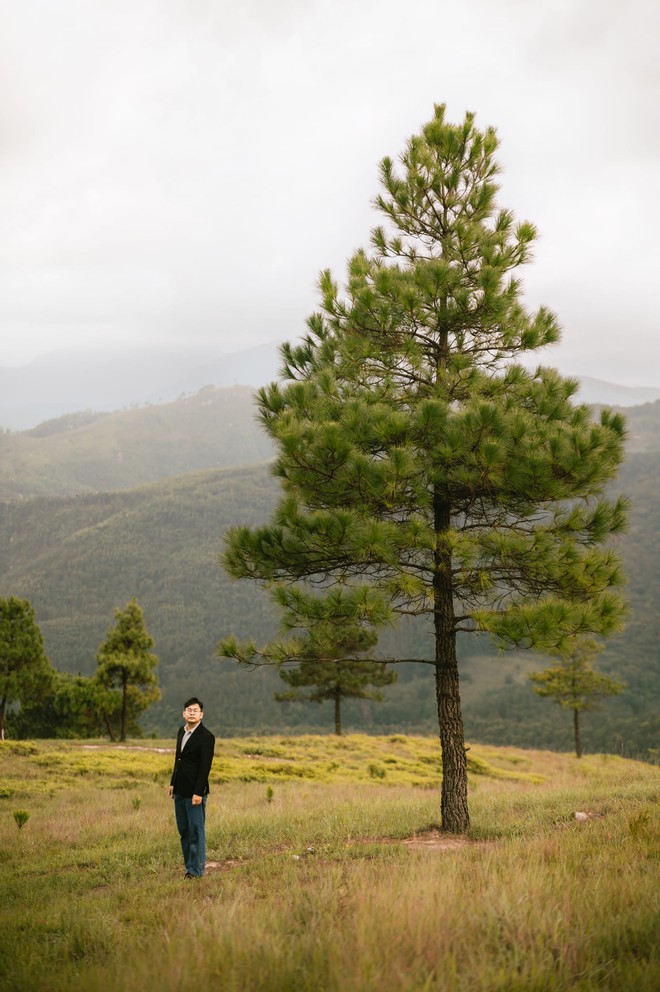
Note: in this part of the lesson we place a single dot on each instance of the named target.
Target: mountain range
(91, 452)
(97, 508)
(60, 382)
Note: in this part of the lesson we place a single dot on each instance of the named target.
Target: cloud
(183, 169)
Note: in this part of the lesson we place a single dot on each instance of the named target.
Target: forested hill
(77, 558)
(89, 452)
(92, 452)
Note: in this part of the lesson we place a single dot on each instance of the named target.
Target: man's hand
(170, 792)
(197, 800)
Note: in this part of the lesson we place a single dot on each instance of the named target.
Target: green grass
(315, 882)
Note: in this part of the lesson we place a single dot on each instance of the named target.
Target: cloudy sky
(178, 170)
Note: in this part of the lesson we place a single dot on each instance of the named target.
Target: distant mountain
(91, 452)
(64, 382)
(599, 393)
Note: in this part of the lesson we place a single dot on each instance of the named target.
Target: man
(189, 785)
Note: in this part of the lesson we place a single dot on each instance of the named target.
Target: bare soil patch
(434, 840)
(431, 840)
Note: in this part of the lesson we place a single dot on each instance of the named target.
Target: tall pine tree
(424, 470)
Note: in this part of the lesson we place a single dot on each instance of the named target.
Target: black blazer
(192, 765)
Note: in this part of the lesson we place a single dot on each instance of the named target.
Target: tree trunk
(124, 704)
(108, 727)
(338, 713)
(454, 802)
(576, 728)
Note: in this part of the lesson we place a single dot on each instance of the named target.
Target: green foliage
(574, 684)
(87, 707)
(334, 680)
(125, 662)
(329, 663)
(75, 558)
(23, 663)
(424, 472)
(21, 816)
(36, 715)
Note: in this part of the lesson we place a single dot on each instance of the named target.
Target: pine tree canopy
(331, 664)
(573, 683)
(408, 436)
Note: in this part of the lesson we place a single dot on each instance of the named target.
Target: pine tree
(89, 706)
(23, 662)
(425, 471)
(124, 661)
(574, 684)
(328, 664)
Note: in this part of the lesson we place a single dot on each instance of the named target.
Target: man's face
(193, 715)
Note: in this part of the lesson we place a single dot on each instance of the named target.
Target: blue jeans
(190, 824)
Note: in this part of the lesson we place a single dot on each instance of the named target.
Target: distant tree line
(38, 701)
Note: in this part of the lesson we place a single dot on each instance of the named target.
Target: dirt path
(127, 747)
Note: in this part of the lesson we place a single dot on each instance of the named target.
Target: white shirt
(187, 734)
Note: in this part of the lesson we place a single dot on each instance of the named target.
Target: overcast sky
(182, 169)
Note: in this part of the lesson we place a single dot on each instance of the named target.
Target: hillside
(91, 452)
(643, 427)
(597, 392)
(77, 558)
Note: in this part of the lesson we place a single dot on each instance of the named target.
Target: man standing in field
(189, 785)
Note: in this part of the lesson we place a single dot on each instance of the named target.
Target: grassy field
(326, 871)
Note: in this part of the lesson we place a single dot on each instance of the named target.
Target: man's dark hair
(192, 701)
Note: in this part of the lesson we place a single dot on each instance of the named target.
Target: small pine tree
(574, 684)
(331, 670)
(125, 662)
(87, 706)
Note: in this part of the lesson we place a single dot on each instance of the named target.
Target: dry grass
(342, 885)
